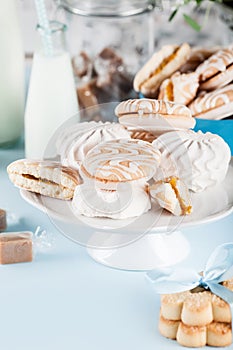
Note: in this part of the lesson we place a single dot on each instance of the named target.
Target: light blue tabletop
(64, 300)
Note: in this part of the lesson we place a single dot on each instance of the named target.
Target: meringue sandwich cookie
(197, 56)
(180, 88)
(217, 70)
(160, 66)
(155, 116)
(121, 161)
(172, 195)
(115, 175)
(44, 177)
(199, 159)
(214, 105)
(74, 142)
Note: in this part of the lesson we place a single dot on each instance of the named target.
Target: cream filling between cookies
(161, 66)
(34, 178)
(186, 209)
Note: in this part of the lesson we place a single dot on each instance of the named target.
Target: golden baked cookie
(217, 70)
(214, 105)
(180, 88)
(155, 116)
(160, 67)
(196, 318)
(44, 177)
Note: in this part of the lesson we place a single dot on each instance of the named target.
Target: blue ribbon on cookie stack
(219, 268)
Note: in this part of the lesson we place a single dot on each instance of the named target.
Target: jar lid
(107, 8)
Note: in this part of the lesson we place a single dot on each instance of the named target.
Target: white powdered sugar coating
(121, 160)
(75, 142)
(200, 160)
(215, 63)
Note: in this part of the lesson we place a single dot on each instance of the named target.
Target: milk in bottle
(52, 96)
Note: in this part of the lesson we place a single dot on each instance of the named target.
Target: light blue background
(224, 128)
(63, 300)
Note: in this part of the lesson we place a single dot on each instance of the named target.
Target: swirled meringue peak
(201, 160)
(75, 141)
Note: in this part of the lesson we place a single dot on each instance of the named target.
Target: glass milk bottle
(11, 75)
(52, 96)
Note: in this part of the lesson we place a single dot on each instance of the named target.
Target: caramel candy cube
(2, 220)
(15, 247)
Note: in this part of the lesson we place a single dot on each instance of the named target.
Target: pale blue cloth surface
(64, 300)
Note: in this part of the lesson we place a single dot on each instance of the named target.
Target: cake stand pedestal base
(154, 250)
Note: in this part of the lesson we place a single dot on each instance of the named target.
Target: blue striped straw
(44, 23)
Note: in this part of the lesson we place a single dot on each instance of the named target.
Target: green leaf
(192, 22)
(173, 15)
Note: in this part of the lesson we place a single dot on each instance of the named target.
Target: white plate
(209, 205)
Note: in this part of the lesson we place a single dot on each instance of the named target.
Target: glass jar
(226, 17)
(109, 41)
(178, 30)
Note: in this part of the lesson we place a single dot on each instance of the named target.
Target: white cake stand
(125, 244)
(149, 241)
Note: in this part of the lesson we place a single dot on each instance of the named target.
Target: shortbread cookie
(196, 318)
(172, 305)
(194, 336)
(44, 177)
(214, 105)
(74, 142)
(155, 116)
(200, 160)
(217, 70)
(197, 309)
(180, 88)
(161, 66)
(172, 195)
(219, 334)
(228, 284)
(168, 328)
(221, 310)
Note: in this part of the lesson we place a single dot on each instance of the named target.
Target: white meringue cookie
(128, 200)
(200, 160)
(75, 141)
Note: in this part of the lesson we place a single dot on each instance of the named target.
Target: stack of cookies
(196, 318)
(118, 170)
(198, 78)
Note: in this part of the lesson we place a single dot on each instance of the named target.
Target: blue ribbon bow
(219, 268)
